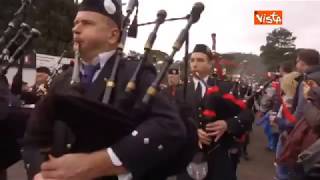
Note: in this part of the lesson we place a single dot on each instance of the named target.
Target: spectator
(307, 63)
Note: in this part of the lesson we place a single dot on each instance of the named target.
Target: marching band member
(220, 166)
(159, 135)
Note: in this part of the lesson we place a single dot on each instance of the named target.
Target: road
(260, 166)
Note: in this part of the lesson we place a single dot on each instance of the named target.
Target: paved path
(260, 166)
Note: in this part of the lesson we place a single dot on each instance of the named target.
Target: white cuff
(116, 162)
(114, 158)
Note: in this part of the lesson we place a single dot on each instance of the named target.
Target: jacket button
(69, 146)
(134, 133)
(146, 140)
(160, 147)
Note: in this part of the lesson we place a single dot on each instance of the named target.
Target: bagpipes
(27, 35)
(108, 123)
(218, 106)
(13, 25)
(17, 37)
(15, 42)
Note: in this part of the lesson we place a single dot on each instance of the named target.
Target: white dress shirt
(102, 59)
(116, 162)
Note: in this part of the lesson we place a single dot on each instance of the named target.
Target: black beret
(202, 48)
(109, 8)
(43, 69)
(173, 71)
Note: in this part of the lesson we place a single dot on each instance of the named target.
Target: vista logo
(268, 17)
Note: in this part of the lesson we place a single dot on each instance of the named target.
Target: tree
(279, 48)
(54, 19)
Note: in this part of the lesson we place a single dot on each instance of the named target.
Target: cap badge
(109, 6)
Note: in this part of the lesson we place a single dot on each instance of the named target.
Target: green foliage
(54, 18)
(279, 48)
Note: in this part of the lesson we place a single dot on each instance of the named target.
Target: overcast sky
(232, 21)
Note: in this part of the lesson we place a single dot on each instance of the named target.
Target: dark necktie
(88, 73)
(198, 92)
(173, 91)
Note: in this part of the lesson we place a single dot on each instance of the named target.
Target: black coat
(170, 92)
(12, 129)
(4, 95)
(9, 148)
(12, 126)
(159, 134)
(220, 166)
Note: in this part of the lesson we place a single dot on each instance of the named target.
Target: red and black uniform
(220, 165)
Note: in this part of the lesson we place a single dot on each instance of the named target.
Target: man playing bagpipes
(219, 116)
(116, 140)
